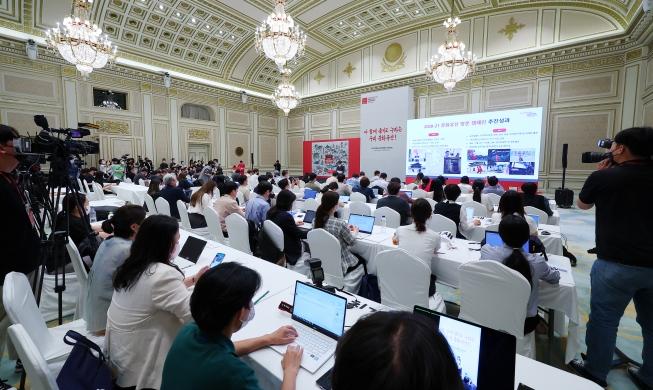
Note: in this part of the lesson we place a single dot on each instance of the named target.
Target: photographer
(623, 269)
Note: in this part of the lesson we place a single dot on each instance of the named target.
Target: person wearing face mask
(200, 200)
(221, 305)
(227, 205)
(150, 304)
(111, 255)
(172, 193)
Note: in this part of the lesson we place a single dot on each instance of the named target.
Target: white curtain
(193, 111)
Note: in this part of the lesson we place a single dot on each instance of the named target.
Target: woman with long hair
(512, 204)
(293, 247)
(150, 304)
(111, 255)
(477, 195)
(514, 232)
(200, 200)
(438, 191)
(418, 179)
(154, 189)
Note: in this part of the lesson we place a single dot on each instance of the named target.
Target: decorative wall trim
(112, 127)
(199, 134)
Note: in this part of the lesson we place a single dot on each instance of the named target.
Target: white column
(630, 97)
(334, 124)
(543, 100)
(283, 144)
(423, 106)
(476, 100)
(255, 143)
(174, 130)
(70, 97)
(147, 125)
(223, 136)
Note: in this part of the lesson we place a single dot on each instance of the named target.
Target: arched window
(194, 111)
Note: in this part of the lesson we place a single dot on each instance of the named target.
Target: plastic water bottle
(92, 215)
(110, 215)
(383, 224)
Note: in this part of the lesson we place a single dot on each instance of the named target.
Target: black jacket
(451, 211)
(537, 201)
(369, 194)
(397, 204)
(292, 236)
(172, 195)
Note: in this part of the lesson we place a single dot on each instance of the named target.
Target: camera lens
(594, 157)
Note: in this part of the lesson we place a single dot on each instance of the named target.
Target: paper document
(378, 237)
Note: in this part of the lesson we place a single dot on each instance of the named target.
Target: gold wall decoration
(511, 28)
(319, 77)
(350, 69)
(200, 134)
(239, 151)
(631, 55)
(589, 64)
(477, 81)
(112, 127)
(545, 70)
(501, 78)
(394, 58)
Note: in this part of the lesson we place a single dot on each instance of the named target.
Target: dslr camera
(597, 157)
(317, 274)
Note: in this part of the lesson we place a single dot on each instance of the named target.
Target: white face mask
(161, 187)
(175, 253)
(88, 210)
(250, 317)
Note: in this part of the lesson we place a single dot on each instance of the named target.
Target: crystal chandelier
(279, 38)
(285, 96)
(450, 65)
(80, 41)
(109, 103)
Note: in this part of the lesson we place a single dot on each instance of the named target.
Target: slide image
(416, 160)
(452, 162)
(522, 168)
(465, 343)
(477, 155)
(522, 155)
(495, 156)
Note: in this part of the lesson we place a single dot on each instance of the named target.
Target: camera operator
(623, 269)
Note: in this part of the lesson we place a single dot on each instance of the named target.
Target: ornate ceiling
(213, 40)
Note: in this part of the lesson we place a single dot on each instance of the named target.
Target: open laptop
(190, 252)
(536, 218)
(344, 198)
(365, 224)
(408, 193)
(485, 357)
(309, 216)
(494, 239)
(309, 194)
(375, 191)
(319, 318)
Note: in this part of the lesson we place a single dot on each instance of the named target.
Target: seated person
(407, 352)
(381, 183)
(443, 181)
(418, 179)
(454, 211)
(219, 180)
(311, 184)
(465, 188)
(203, 356)
(227, 205)
(478, 196)
(436, 191)
(493, 186)
(377, 176)
(293, 247)
(172, 194)
(395, 203)
(401, 194)
(131, 173)
(267, 178)
(343, 189)
(89, 174)
(511, 204)
(531, 198)
(353, 181)
(364, 189)
(333, 187)
(199, 201)
(143, 174)
(106, 184)
(514, 232)
(150, 304)
(184, 184)
(284, 184)
(426, 184)
(243, 181)
(111, 255)
(333, 178)
(256, 209)
(154, 189)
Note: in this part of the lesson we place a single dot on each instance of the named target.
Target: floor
(578, 226)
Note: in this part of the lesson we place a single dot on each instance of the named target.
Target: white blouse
(422, 245)
(496, 218)
(485, 201)
(206, 201)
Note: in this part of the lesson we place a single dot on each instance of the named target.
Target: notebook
(319, 318)
(485, 357)
(494, 239)
(536, 218)
(190, 252)
(365, 224)
(309, 194)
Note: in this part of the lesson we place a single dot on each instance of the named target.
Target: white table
(552, 242)
(125, 191)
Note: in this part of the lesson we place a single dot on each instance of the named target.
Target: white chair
(185, 221)
(432, 203)
(496, 296)
(494, 198)
(85, 187)
(238, 233)
(40, 375)
(411, 186)
(544, 217)
(492, 228)
(276, 189)
(479, 209)
(392, 218)
(162, 206)
(98, 191)
(311, 204)
(359, 208)
(302, 184)
(419, 194)
(213, 223)
(357, 197)
(321, 185)
(326, 247)
(404, 281)
(127, 180)
(240, 197)
(276, 235)
(136, 199)
(441, 223)
(141, 182)
(461, 199)
(151, 207)
(81, 187)
(82, 278)
(21, 308)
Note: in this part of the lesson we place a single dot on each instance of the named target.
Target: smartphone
(217, 260)
(324, 382)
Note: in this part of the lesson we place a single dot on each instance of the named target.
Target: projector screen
(505, 144)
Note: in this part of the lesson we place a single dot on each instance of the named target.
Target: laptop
(190, 252)
(375, 191)
(536, 218)
(408, 193)
(485, 357)
(365, 224)
(319, 318)
(494, 239)
(344, 198)
(309, 194)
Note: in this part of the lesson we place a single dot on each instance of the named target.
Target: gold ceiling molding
(348, 70)
(589, 64)
(319, 77)
(477, 81)
(545, 70)
(501, 78)
(111, 127)
(511, 28)
(38, 65)
(199, 134)
(631, 55)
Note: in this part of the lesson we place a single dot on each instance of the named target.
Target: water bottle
(383, 224)
(110, 215)
(92, 215)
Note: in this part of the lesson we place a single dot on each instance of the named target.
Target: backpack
(370, 288)
(253, 236)
(266, 249)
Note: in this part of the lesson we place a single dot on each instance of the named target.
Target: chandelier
(450, 65)
(285, 96)
(80, 40)
(109, 103)
(279, 38)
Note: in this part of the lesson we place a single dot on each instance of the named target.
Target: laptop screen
(375, 191)
(309, 216)
(408, 193)
(536, 218)
(494, 239)
(192, 249)
(485, 357)
(344, 198)
(365, 223)
(310, 194)
(319, 309)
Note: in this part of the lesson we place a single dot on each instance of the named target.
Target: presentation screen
(505, 144)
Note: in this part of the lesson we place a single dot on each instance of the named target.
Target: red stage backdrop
(322, 157)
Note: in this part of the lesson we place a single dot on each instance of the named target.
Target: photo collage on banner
(326, 156)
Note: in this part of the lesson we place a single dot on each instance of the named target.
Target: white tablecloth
(125, 191)
(552, 242)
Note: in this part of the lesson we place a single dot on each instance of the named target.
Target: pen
(262, 296)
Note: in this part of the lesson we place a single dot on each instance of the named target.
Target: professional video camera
(51, 141)
(596, 157)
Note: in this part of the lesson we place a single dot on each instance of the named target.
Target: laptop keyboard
(313, 342)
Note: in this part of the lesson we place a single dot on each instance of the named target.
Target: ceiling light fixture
(178, 14)
(193, 20)
(80, 41)
(279, 38)
(109, 103)
(285, 97)
(220, 32)
(359, 23)
(397, 10)
(207, 26)
(232, 37)
(160, 6)
(450, 66)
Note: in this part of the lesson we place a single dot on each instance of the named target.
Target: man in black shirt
(395, 203)
(172, 194)
(623, 270)
(163, 165)
(142, 175)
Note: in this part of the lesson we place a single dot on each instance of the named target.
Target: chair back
(141, 182)
(311, 204)
(127, 180)
(461, 198)
(240, 197)
(411, 186)
(440, 223)
(238, 233)
(357, 197)
(36, 368)
(494, 198)
(183, 215)
(213, 223)
(392, 218)
(493, 295)
(136, 199)
(276, 189)
(321, 185)
(20, 305)
(99, 192)
(82, 278)
(302, 184)
(431, 202)
(479, 209)
(359, 208)
(151, 207)
(544, 217)
(492, 228)
(85, 187)
(162, 206)
(275, 233)
(81, 187)
(417, 193)
(403, 279)
(326, 247)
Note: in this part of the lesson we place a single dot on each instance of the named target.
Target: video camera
(597, 157)
(51, 141)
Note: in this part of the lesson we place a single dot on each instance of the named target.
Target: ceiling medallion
(80, 41)
(511, 28)
(450, 65)
(394, 58)
(319, 77)
(279, 38)
(349, 70)
(285, 96)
